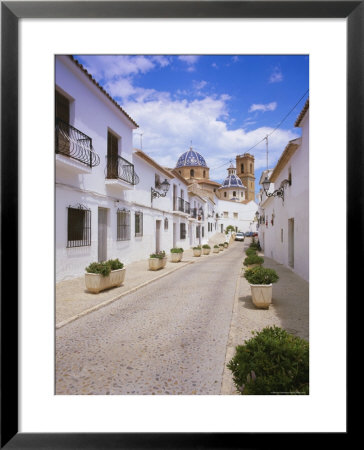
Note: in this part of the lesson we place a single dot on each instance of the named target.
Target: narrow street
(168, 337)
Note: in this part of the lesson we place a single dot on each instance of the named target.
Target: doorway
(102, 234)
(158, 235)
(291, 242)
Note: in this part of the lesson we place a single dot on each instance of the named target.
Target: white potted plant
(221, 247)
(157, 260)
(253, 260)
(216, 249)
(197, 251)
(206, 249)
(261, 280)
(104, 275)
(176, 254)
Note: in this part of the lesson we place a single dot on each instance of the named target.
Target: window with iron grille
(197, 232)
(78, 226)
(138, 223)
(203, 231)
(182, 230)
(166, 223)
(122, 225)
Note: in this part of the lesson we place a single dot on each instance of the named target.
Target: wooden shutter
(62, 107)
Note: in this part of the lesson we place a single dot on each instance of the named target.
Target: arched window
(251, 168)
(242, 168)
(192, 173)
(234, 193)
(225, 194)
(204, 173)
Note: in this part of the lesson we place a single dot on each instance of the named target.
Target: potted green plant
(250, 251)
(253, 260)
(157, 260)
(206, 249)
(104, 275)
(226, 244)
(216, 249)
(261, 280)
(221, 247)
(176, 254)
(197, 251)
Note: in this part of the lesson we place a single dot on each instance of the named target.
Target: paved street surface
(168, 337)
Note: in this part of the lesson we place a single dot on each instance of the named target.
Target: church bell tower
(245, 171)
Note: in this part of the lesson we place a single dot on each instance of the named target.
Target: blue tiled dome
(232, 181)
(191, 158)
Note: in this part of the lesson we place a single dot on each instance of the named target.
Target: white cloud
(260, 107)
(276, 76)
(214, 65)
(191, 59)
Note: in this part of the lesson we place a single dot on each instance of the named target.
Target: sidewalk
(74, 301)
(289, 310)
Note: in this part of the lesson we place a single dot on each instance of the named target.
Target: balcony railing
(187, 208)
(180, 204)
(193, 212)
(74, 144)
(119, 168)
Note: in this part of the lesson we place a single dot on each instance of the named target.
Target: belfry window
(192, 173)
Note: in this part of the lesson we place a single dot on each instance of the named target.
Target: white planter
(221, 247)
(206, 251)
(197, 252)
(164, 261)
(95, 282)
(155, 263)
(176, 257)
(261, 295)
(216, 250)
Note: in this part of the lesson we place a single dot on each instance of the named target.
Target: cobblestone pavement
(166, 338)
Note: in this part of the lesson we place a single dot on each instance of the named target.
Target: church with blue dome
(237, 187)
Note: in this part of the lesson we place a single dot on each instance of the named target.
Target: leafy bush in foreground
(272, 362)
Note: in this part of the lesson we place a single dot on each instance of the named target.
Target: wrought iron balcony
(187, 208)
(194, 213)
(119, 168)
(74, 144)
(181, 204)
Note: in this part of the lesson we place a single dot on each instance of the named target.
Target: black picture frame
(11, 13)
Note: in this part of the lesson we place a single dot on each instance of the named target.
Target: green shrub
(253, 259)
(206, 246)
(221, 245)
(104, 268)
(229, 228)
(255, 245)
(250, 251)
(159, 255)
(216, 246)
(176, 250)
(271, 362)
(261, 275)
(197, 248)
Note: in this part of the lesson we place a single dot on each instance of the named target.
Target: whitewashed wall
(274, 238)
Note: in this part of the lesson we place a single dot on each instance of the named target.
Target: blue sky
(224, 104)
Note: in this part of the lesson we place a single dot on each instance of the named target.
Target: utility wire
(269, 134)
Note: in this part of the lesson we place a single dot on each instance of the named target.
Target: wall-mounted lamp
(161, 186)
(278, 192)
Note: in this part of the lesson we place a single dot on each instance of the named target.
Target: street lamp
(278, 192)
(161, 186)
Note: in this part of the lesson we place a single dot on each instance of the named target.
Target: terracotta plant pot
(95, 282)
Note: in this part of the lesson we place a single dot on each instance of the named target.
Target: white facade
(284, 225)
(105, 215)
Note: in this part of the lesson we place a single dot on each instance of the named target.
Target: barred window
(182, 230)
(138, 223)
(78, 226)
(197, 232)
(166, 223)
(122, 225)
(203, 231)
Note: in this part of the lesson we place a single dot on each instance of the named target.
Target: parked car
(248, 233)
(239, 236)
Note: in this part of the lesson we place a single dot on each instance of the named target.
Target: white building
(110, 201)
(284, 219)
